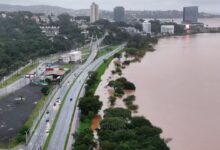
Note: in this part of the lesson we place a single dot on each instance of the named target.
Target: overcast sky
(212, 6)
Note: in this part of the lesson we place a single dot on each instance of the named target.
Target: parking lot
(15, 110)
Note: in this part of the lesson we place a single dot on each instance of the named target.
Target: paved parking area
(14, 113)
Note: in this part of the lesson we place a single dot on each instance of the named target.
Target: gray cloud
(204, 5)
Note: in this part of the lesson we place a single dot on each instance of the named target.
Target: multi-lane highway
(43, 129)
(61, 130)
(66, 95)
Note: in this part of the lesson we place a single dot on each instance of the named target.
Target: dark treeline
(21, 40)
(90, 104)
(120, 131)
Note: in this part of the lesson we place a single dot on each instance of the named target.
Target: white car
(47, 131)
(58, 102)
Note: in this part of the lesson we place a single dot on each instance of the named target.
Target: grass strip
(18, 75)
(106, 50)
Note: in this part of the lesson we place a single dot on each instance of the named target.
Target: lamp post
(26, 137)
(5, 81)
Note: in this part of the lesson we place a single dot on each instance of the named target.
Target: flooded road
(178, 89)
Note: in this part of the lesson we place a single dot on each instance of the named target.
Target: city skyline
(210, 6)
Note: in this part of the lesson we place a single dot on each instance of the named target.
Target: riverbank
(92, 129)
(86, 124)
(168, 82)
(104, 92)
(119, 110)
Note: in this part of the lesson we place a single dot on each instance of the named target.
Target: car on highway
(47, 120)
(47, 112)
(71, 99)
(47, 131)
(58, 102)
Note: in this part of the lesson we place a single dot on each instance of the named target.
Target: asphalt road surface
(60, 133)
(71, 86)
(41, 133)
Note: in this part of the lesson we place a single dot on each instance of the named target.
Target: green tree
(107, 145)
(117, 112)
(113, 123)
(117, 55)
(84, 140)
(129, 86)
(90, 104)
(112, 100)
(140, 122)
(129, 100)
(119, 130)
(45, 90)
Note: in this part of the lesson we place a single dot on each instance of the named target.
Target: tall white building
(94, 16)
(147, 27)
(167, 29)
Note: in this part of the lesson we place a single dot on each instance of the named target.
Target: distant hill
(104, 14)
(35, 9)
(165, 14)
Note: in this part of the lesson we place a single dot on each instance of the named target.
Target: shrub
(129, 86)
(112, 100)
(133, 107)
(119, 92)
(45, 90)
(127, 62)
(90, 105)
(129, 100)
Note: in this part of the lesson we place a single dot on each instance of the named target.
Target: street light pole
(26, 137)
(5, 81)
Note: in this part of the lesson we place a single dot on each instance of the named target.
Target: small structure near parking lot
(55, 74)
(73, 56)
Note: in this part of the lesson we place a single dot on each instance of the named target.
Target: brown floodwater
(178, 89)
